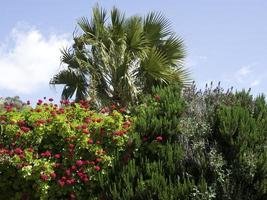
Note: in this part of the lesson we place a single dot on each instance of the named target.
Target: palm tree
(118, 58)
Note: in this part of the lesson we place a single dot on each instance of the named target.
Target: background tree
(117, 58)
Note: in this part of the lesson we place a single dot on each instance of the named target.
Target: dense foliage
(178, 144)
(58, 152)
(203, 145)
(7, 102)
(117, 58)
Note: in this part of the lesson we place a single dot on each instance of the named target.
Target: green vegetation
(52, 152)
(177, 144)
(117, 58)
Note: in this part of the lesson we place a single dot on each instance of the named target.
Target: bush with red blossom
(52, 151)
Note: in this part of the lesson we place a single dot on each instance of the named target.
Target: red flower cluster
(46, 154)
(68, 141)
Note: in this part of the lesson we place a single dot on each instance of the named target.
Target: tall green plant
(117, 58)
(163, 163)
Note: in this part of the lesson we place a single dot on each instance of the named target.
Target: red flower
(97, 160)
(57, 155)
(68, 172)
(157, 97)
(25, 129)
(73, 167)
(53, 113)
(122, 110)
(71, 146)
(90, 141)
(21, 156)
(159, 138)
(30, 150)
(85, 131)
(43, 177)
(86, 162)
(119, 133)
(113, 106)
(145, 138)
(97, 168)
(46, 154)
(69, 182)
(84, 126)
(61, 182)
(87, 120)
(85, 179)
(79, 162)
(53, 175)
(50, 99)
(18, 151)
(38, 110)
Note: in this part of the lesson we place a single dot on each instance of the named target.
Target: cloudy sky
(226, 40)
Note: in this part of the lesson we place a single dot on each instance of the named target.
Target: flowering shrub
(57, 152)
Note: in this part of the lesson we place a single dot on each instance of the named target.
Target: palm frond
(156, 27)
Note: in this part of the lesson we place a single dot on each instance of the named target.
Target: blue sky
(226, 40)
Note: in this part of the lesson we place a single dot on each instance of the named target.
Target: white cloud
(28, 60)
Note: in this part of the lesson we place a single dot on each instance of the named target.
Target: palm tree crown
(118, 58)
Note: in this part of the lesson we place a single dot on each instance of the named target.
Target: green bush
(194, 145)
(58, 152)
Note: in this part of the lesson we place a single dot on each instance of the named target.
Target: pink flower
(57, 155)
(69, 182)
(68, 172)
(61, 182)
(159, 138)
(79, 162)
(97, 168)
(39, 102)
(50, 99)
(72, 195)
